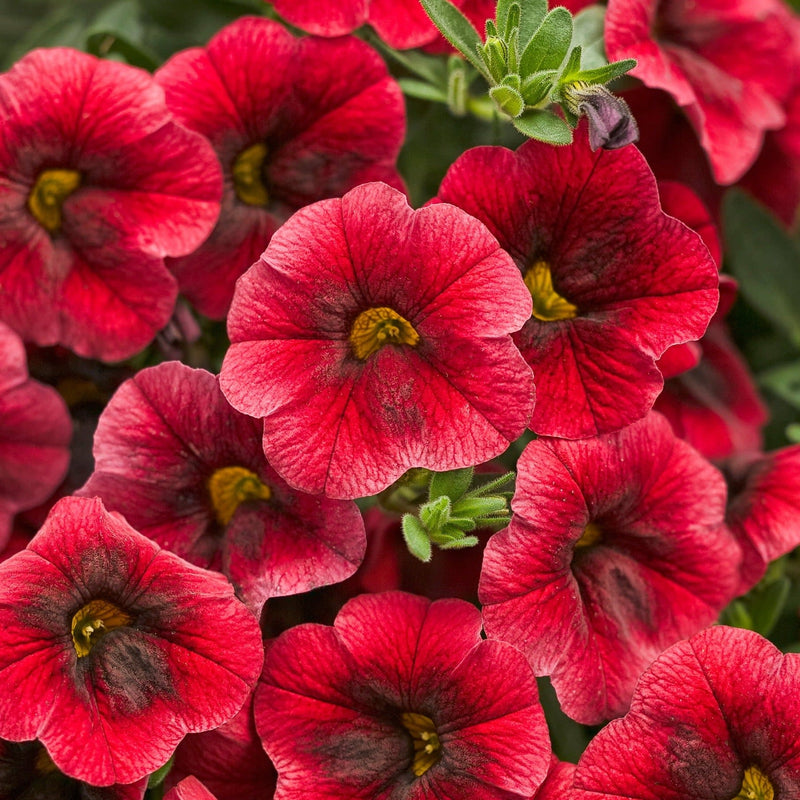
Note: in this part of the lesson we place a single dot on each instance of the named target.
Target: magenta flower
(713, 717)
(763, 507)
(323, 118)
(728, 65)
(99, 185)
(187, 470)
(27, 772)
(403, 24)
(189, 789)
(614, 280)
(110, 643)
(401, 698)
(35, 430)
(396, 354)
(616, 549)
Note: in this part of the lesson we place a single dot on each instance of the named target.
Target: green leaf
(532, 12)
(501, 15)
(588, 28)
(454, 483)
(765, 260)
(479, 506)
(508, 100)
(157, 777)
(793, 432)
(737, 615)
(490, 486)
(118, 30)
(549, 45)
(457, 29)
(494, 57)
(416, 537)
(423, 91)
(766, 604)
(573, 64)
(460, 544)
(429, 68)
(604, 74)
(435, 513)
(784, 381)
(536, 88)
(544, 126)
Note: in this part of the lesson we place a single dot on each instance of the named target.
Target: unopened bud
(611, 124)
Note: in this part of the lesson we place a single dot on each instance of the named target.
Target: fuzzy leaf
(416, 537)
(604, 74)
(422, 90)
(765, 260)
(544, 126)
(460, 544)
(549, 45)
(454, 483)
(531, 16)
(536, 88)
(587, 31)
(508, 99)
(479, 506)
(457, 29)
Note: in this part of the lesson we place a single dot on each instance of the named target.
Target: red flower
(400, 23)
(729, 65)
(98, 185)
(401, 698)
(112, 649)
(189, 789)
(396, 354)
(187, 470)
(763, 507)
(323, 118)
(35, 430)
(615, 281)
(713, 717)
(616, 550)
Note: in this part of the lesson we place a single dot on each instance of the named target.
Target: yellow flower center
(548, 304)
(248, 175)
(377, 327)
(755, 786)
(92, 622)
(229, 487)
(591, 534)
(427, 747)
(51, 189)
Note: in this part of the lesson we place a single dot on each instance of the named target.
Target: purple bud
(611, 124)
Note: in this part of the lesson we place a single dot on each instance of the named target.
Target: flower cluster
(275, 341)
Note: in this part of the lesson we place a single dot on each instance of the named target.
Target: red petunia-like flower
(713, 717)
(111, 649)
(729, 65)
(370, 338)
(614, 280)
(187, 470)
(616, 549)
(324, 117)
(189, 789)
(98, 185)
(35, 430)
(403, 24)
(401, 699)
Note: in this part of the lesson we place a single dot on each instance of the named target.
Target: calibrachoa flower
(322, 118)
(614, 280)
(400, 23)
(728, 65)
(401, 699)
(28, 773)
(370, 338)
(111, 649)
(189, 789)
(187, 470)
(713, 717)
(98, 185)
(763, 507)
(35, 430)
(616, 549)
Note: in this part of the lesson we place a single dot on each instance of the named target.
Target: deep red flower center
(548, 304)
(93, 621)
(591, 535)
(229, 487)
(427, 747)
(377, 327)
(755, 786)
(47, 197)
(248, 175)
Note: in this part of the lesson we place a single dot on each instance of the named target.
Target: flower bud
(611, 124)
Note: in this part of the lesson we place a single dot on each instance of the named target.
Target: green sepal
(453, 483)
(549, 45)
(416, 538)
(535, 89)
(494, 57)
(435, 513)
(460, 544)
(491, 30)
(490, 486)
(544, 126)
(604, 74)
(573, 64)
(479, 506)
(532, 12)
(764, 259)
(512, 20)
(457, 29)
(508, 100)
(501, 16)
